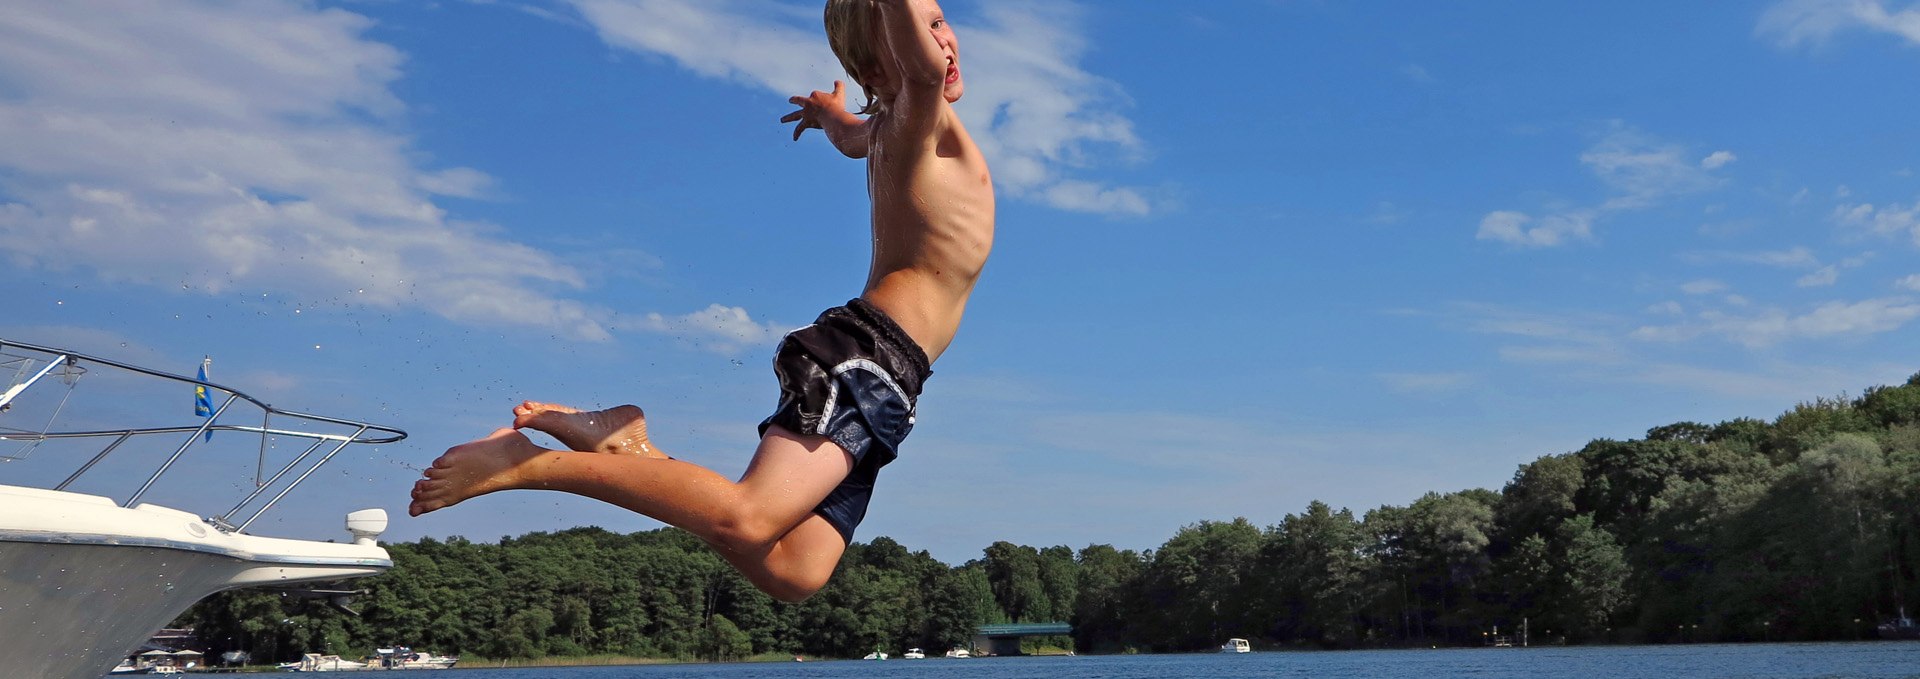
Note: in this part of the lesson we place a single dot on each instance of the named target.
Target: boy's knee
(795, 591)
(745, 532)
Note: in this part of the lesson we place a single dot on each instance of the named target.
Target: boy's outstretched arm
(828, 111)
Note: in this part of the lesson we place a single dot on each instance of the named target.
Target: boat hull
(75, 599)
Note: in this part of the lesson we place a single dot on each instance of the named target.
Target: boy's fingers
(788, 118)
(838, 87)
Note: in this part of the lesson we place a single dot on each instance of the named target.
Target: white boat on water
(128, 667)
(913, 654)
(957, 652)
(403, 658)
(315, 662)
(90, 577)
(876, 655)
(1235, 646)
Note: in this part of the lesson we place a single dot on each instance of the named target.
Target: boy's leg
(764, 524)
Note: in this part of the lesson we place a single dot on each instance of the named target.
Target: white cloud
(1588, 355)
(1825, 276)
(1887, 220)
(1772, 326)
(1511, 227)
(1783, 383)
(1640, 171)
(719, 328)
(1418, 73)
(1035, 113)
(1424, 382)
(219, 145)
(1082, 196)
(1910, 283)
(1549, 338)
(1643, 170)
(1667, 308)
(1705, 286)
(1797, 257)
(1794, 22)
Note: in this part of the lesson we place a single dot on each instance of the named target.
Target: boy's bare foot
(618, 430)
(473, 468)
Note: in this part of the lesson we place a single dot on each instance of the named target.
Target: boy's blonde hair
(850, 31)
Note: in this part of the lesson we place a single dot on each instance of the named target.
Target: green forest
(1799, 528)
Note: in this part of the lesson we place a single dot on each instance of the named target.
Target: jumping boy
(848, 382)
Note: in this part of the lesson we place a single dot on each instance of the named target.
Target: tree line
(1801, 528)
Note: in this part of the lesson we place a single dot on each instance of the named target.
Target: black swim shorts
(853, 377)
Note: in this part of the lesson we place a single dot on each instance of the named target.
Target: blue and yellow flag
(202, 402)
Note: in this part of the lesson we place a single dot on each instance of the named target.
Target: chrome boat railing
(34, 365)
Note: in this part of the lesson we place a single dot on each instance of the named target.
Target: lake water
(1780, 661)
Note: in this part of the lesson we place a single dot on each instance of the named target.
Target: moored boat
(94, 576)
(1901, 627)
(403, 658)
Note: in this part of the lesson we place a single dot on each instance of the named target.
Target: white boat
(913, 654)
(129, 667)
(315, 662)
(93, 577)
(403, 658)
(1235, 646)
(876, 655)
(959, 653)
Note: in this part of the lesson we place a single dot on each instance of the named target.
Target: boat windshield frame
(274, 422)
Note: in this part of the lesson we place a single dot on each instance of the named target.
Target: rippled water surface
(1781, 661)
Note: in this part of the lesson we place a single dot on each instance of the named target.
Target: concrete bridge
(1004, 638)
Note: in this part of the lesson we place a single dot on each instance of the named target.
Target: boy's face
(953, 86)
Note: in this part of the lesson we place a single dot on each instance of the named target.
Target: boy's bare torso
(932, 225)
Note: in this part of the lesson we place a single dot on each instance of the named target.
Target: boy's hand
(817, 109)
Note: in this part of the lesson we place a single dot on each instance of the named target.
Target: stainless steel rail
(293, 425)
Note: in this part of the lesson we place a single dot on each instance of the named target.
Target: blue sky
(1250, 254)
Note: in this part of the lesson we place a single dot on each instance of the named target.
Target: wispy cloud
(1885, 220)
(1796, 22)
(1798, 257)
(1539, 338)
(1519, 228)
(1643, 170)
(1640, 171)
(1775, 325)
(718, 328)
(1772, 381)
(1705, 286)
(1036, 113)
(1425, 382)
(214, 146)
